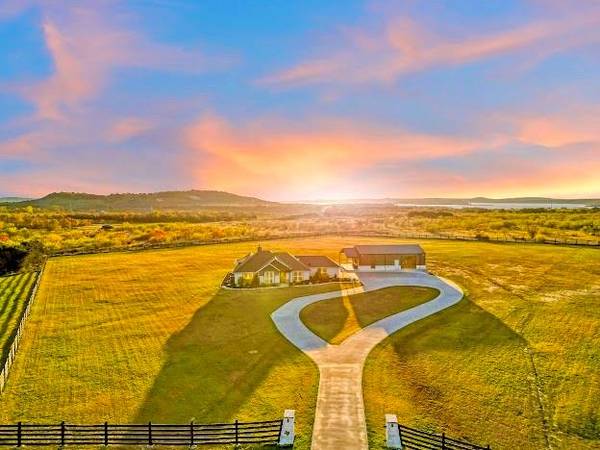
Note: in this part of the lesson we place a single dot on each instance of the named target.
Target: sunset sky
(292, 100)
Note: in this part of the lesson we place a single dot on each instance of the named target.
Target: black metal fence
(421, 440)
(235, 433)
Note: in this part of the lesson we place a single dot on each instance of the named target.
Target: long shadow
(220, 358)
(326, 318)
(441, 353)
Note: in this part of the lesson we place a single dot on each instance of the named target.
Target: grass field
(517, 365)
(336, 319)
(14, 290)
(134, 337)
(129, 337)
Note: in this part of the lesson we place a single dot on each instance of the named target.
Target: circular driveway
(340, 416)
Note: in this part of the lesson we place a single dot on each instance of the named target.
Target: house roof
(281, 261)
(273, 266)
(277, 264)
(317, 261)
(398, 249)
(291, 261)
(253, 261)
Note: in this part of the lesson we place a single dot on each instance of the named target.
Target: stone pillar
(286, 437)
(392, 432)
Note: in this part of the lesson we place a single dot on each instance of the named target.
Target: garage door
(409, 262)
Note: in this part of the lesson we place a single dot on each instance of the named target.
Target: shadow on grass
(460, 328)
(326, 318)
(462, 371)
(220, 359)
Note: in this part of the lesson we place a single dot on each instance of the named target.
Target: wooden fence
(485, 238)
(414, 439)
(10, 358)
(190, 434)
(371, 233)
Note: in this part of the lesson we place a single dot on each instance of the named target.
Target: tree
(11, 259)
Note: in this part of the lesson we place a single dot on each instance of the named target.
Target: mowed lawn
(516, 364)
(14, 290)
(148, 335)
(337, 318)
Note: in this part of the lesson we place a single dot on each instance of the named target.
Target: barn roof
(397, 249)
(350, 252)
(317, 261)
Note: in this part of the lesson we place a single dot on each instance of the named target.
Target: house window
(269, 277)
(323, 271)
(297, 276)
(248, 276)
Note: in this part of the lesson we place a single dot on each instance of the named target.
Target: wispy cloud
(128, 127)
(403, 46)
(344, 158)
(319, 157)
(88, 43)
(77, 135)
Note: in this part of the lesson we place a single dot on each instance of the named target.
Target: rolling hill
(13, 199)
(169, 200)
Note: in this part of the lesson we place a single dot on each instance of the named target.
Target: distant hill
(169, 200)
(532, 202)
(499, 201)
(538, 200)
(13, 199)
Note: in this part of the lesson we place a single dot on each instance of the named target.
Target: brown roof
(274, 266)
(317, 261)
(281, 260)
(398, 249)
(350, 252)
(290, 261)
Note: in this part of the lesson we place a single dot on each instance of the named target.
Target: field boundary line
(579, 243)
(12, 353)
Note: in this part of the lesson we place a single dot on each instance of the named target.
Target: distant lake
(503, 205)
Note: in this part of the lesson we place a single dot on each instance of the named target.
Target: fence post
(392, 432)
(19, 431)
(443, 441)
(287, 433)
(236, 433)
(191, 433)
(106, 434)
(150, 433)
(62, 433)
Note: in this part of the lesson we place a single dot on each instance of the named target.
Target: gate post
(392, 432)
(286, 435)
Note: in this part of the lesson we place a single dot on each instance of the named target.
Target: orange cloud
(405, 47)
(560, 131)
(342, 159)
(264, 155)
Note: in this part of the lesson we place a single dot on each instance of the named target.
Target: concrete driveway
(340, 417)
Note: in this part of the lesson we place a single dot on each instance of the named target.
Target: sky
(301, 100)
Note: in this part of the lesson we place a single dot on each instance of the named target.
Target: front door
(269, 277)
(284, 276)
